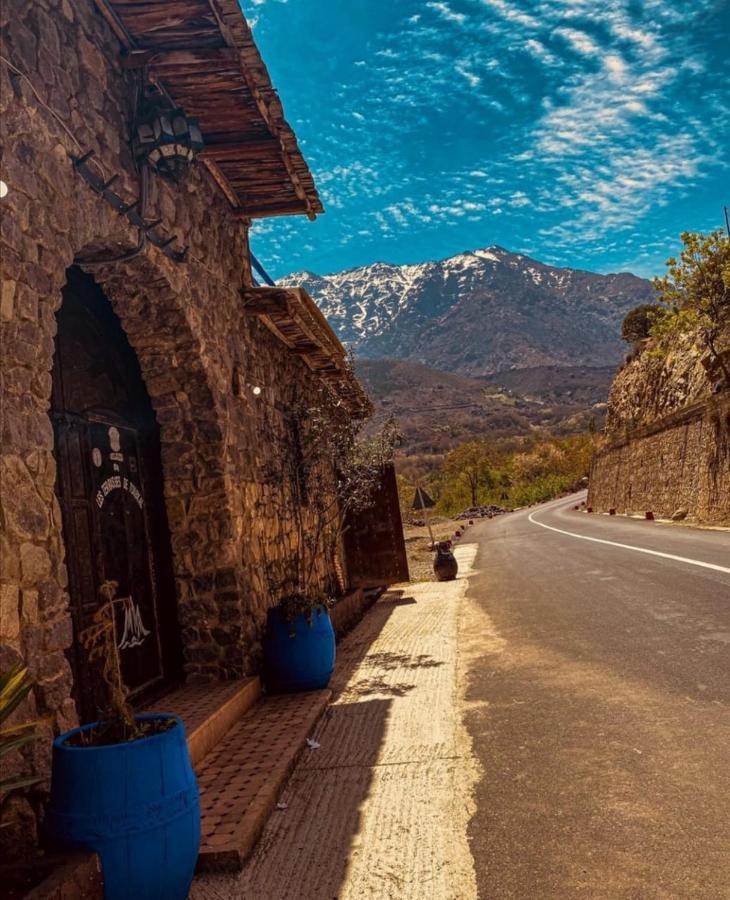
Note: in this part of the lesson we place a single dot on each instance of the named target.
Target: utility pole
(727, 222)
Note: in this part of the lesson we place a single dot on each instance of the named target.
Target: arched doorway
(110, 491)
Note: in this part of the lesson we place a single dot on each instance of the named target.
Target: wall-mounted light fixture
(165, 138)
(241, 387)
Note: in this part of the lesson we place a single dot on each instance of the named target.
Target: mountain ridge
(308, 273)
(479, 312)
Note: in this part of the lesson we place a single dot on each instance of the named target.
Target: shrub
(637, 323)
(695, 294)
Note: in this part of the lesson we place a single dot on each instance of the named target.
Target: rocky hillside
(479, 313)
(650, 386)
(438, 410)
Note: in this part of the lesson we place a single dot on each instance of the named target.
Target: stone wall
(197, 346)
(650, 386)
(681, 461)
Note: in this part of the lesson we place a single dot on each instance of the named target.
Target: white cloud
(602, 140)
(461, 68)
(579, 41)
(512, 13)
(443, 9)
(616, 67)
(540, 51)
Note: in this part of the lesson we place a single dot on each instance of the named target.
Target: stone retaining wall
(679, 462)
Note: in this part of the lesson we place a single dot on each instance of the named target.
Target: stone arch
(154, 316)
(152, 304)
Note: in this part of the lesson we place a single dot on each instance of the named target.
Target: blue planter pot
(298, 656)
(136, 805)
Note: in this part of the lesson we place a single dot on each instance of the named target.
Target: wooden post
(428, 525)
(423, 502)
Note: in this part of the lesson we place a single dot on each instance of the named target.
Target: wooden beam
(306, 348)
(114, 23)
(222, 182)
(178, 56)
(264, 111)
(261, 211)
(234, 89)
(266, 115)
(265, 301)
(221, 150)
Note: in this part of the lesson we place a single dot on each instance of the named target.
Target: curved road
(599, 707)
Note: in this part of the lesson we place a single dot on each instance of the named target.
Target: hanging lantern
(166, 139)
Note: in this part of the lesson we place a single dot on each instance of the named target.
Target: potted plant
(15, 686)
(20, 866)
(300, 644)
(327, 470)
(124, 787)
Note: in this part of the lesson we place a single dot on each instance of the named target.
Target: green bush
(637, 323)
(522, 472)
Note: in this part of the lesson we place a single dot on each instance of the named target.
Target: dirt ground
(418, 545)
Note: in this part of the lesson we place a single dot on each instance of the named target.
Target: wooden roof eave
(225, 48)
(296, 320)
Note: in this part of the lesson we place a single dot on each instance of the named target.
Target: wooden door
(373, 543)
(110, 491)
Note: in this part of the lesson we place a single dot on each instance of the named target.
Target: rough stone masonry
(63, 90)
(668, 448)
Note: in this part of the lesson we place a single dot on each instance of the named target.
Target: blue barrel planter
(298, 655)
(136, 805)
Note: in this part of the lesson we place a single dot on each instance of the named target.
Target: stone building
(146, 378)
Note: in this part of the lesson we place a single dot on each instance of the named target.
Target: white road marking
(584, 537)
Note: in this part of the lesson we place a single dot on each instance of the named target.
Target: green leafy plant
(517, 471)
(327, 469)
(15, 686)
(695, 294)
(472, 463)
(638, 322)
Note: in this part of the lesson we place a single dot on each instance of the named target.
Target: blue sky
(587, 133)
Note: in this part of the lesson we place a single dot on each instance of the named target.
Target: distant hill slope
(438, 410)
(479, 313)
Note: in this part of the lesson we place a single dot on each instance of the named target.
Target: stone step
(209, 711)
(243, 775)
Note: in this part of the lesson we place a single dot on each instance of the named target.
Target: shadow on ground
(306, 848)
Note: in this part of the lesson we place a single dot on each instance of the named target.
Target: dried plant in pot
(124, 787)
(299, 645)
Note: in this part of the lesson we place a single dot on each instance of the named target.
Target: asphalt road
(599, 708)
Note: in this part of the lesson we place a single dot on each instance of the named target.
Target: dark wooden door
(110, 491)
(374, 547)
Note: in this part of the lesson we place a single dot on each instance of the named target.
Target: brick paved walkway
(381, 809)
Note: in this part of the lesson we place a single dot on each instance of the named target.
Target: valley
(438, 410)
(487, 344)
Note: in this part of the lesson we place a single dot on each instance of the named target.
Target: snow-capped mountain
(479, 312)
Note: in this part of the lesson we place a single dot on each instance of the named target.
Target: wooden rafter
(296, 320)
(203, 56)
